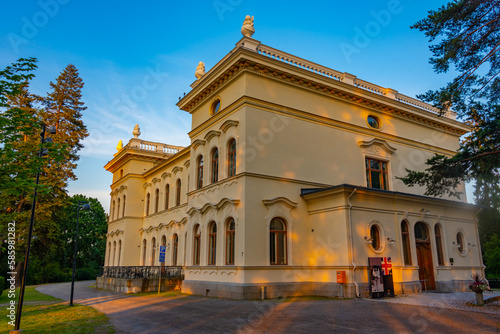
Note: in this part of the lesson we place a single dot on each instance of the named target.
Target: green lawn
(46, 314)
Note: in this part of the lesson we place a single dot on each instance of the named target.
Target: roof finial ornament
(200, 70)
(137, 131)
(119, 146)
(247, 29)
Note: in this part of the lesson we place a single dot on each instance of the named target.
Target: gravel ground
(424, 313)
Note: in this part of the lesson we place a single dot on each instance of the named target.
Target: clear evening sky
(137, 57)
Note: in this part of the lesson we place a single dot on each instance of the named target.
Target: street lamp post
(85, 206)
(43, 152)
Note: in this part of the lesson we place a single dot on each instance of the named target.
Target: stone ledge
(124, 285)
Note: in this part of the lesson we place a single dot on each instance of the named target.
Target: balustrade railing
(154, 147)
(345, 77)
(133, 272)
(299, 62)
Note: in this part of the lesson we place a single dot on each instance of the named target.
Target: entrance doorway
(424, 256)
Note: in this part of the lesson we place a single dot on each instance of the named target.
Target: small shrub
(2, 284)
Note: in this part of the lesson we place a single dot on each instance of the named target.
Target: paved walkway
(454, 301)
(194, 314)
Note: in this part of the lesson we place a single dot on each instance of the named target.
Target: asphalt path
(194, 314)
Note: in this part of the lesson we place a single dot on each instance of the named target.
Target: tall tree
(92, 230)
(63, 109)
(18, 122)
(19, 130)
(20, 125)
(467, 38)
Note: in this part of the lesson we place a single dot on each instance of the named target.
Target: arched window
(199, 167)
(196, 245)
(118, 209)
(157, 200)
(167, 195)
(175, 245)
(121, 173)
(109, 253)
(375, 237)
(153, 251)
(178, 193)
(439, 244)
(148, 199)
(113, 211)
(212, 243)
(230, 229)
(119, 251)
(421, 232)
(231, 158)
(144, 245)
(278, 245)
(124, 199)
(214, 108)
(215, 165)
(185, 246)
(460, 243)
(114, 252)
(405, 237)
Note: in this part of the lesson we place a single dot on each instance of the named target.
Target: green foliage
(18, 122)
(92, 230)
(466, 37)
(21, 117)
(46, 314)
(468, 40)
(30, 295)
(491, 256)
(2, 284)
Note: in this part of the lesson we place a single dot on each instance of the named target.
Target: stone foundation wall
(137, 285)
(271, 290)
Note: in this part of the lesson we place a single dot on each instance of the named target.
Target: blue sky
(137, 58)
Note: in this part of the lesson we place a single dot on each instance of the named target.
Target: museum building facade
(290, 185)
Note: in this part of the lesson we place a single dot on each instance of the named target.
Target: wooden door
(426, 268)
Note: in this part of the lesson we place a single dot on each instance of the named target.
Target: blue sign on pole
(162, 253)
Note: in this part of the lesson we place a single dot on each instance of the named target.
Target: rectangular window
(376, 174)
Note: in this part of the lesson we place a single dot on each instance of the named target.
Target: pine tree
(63, 109)
(468, 40)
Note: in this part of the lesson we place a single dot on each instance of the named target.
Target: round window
(373, 122)
(460, 243)
(215, 107)
(375, 236)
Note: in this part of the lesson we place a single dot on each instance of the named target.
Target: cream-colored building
(291, 176)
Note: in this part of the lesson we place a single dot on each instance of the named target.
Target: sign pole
(162, 261)
(159, 280)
